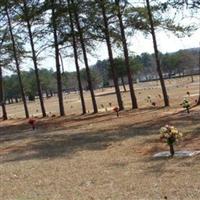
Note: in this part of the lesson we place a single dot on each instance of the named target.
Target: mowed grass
(101, 157)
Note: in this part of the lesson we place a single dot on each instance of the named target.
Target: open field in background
(177, 89)
(101, 156)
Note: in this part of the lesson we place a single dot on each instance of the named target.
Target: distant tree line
(177, 64)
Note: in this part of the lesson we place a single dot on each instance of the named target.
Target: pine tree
(162, 82)
(16, 60)
(81, 37)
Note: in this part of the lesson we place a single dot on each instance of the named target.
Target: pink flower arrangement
(32, 122)
(116, 109)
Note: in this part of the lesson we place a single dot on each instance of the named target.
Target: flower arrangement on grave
(149, 98)
(116, 109)
(186, 105)
(170, 135)
(32, 122)
(188, 93)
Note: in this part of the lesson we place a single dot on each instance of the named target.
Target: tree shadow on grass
(62, 144)
(22, 130)
(59, 145)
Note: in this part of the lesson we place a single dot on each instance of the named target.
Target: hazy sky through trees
(138, 43)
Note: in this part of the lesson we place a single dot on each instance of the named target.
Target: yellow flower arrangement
(170, 135)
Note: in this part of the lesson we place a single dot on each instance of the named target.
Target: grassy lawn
(99, 157)
(102, 157)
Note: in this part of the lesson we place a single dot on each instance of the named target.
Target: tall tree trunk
(76, 61)
(16, 100)
(162, 82)
(123, 84)
(17, 64)
(89, 80)
(110, 54)
(126, 56)
(62, 64)
(34, 60)
(47, 94)
(2, 100)
(58, 73)
(198, 102)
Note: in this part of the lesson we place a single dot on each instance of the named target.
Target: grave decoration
(116, 109)
(32, 122)
(148, 99)
(186, 105)
(170, 135)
